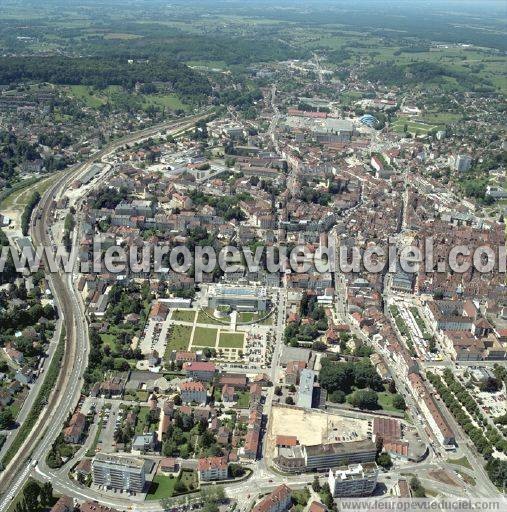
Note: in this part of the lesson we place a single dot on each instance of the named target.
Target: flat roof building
(118, 472)
(240, 298)
(306, 387)
(301, 458)
(354, 480)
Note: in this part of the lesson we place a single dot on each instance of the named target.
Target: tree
(278, 391)
(364, 399)
(491, 385)
(46, 494)
(289, 400)
(316, 484)
(236, 470)
(337, 396)
(399, 402)
(384, 460)
(417, 488)
(180, 487)
(31, 493)
(6, 418)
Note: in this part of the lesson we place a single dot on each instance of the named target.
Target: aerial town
(281, 374)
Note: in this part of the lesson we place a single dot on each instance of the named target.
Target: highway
(67, 390)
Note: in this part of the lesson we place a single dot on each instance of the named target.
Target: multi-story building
(354, 480)
(277, 501)
(436, 420)
(306, 388)
(301, 458)
(462, 163)
(199, 370)
(240, 298)
(193, 392)
(118, 472)
(212, 468)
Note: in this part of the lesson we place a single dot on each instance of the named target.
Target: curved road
(67, 390)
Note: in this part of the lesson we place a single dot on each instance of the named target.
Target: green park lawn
(203, 318)
(231, 340)
(204, 337)
(161, 487)
(179, 337)
(183, 315)
(243, 400)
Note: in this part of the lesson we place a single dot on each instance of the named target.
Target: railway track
(66, 393)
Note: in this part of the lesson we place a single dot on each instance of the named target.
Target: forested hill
(101, 72)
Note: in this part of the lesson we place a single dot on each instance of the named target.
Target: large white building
(241, 298)
(461, 163)
(355, 480)
(121, 473)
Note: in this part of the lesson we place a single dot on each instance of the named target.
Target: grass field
(85, 94)
(189, 478)
(210, 64)
(171, 101)
(183, 315)
(120, 36)
(20, 197)
(418, 128)
(203, 318)
(385, 400)
(231, 340)
(109, 340)
(161, 487)
(144, 420)
(463, 461)
(179, 337)
(243, 400)
(204, 337)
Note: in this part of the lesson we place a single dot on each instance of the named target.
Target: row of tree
(27, 212)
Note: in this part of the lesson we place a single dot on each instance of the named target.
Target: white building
(462, 163)
(355, 480)
(115, 472)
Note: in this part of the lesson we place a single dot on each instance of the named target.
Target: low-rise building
(144, 443)
(277, 501)
(199, 370)
(193, 392)
(212, 468)
(73, 433)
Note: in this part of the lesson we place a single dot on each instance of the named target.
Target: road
(67, 389)
(33, 393)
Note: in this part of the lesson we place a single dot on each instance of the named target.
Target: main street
(67, 389)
